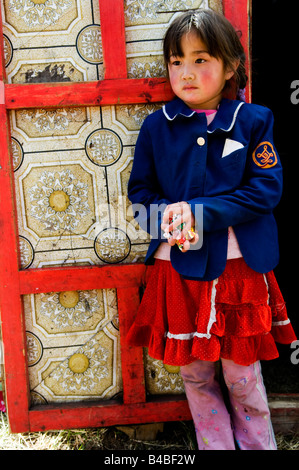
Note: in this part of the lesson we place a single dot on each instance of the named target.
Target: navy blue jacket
(230, 167)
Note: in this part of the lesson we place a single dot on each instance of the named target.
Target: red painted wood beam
(112, 19)
(106, 413)
(12, 315)
(97, 93)
(35, 281)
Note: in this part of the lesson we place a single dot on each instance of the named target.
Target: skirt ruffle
(180, 321)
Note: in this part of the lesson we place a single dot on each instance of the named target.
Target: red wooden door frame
(116, 88)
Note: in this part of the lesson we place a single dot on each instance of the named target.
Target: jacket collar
(224, 119)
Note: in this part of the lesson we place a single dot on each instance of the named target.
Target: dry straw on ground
(176, 436)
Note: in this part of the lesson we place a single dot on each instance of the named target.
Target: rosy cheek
(206, 77)
(174, 79)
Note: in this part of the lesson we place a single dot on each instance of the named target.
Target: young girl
(209, 162)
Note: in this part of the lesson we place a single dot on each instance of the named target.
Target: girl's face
(197, 78)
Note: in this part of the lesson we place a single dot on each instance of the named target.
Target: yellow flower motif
(59, 200)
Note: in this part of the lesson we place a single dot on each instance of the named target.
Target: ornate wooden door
(77, 78)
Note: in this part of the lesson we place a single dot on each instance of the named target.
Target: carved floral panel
(71, 169)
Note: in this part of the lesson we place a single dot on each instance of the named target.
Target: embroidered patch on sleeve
(264, 155)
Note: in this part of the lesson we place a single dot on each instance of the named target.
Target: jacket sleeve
(261, 188)
(143, 188)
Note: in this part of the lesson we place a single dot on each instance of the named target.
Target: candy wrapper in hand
(176, 234)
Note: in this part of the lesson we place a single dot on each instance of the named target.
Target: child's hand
(183, 215)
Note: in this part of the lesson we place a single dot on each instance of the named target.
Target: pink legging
(248, 419)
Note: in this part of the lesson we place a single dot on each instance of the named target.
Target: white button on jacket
(201, 141)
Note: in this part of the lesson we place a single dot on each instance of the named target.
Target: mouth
(189, 88)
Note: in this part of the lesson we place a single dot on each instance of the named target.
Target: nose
(187, 74)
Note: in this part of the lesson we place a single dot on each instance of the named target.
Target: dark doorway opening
(275, 70)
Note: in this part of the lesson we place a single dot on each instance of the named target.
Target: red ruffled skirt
(238, 316)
